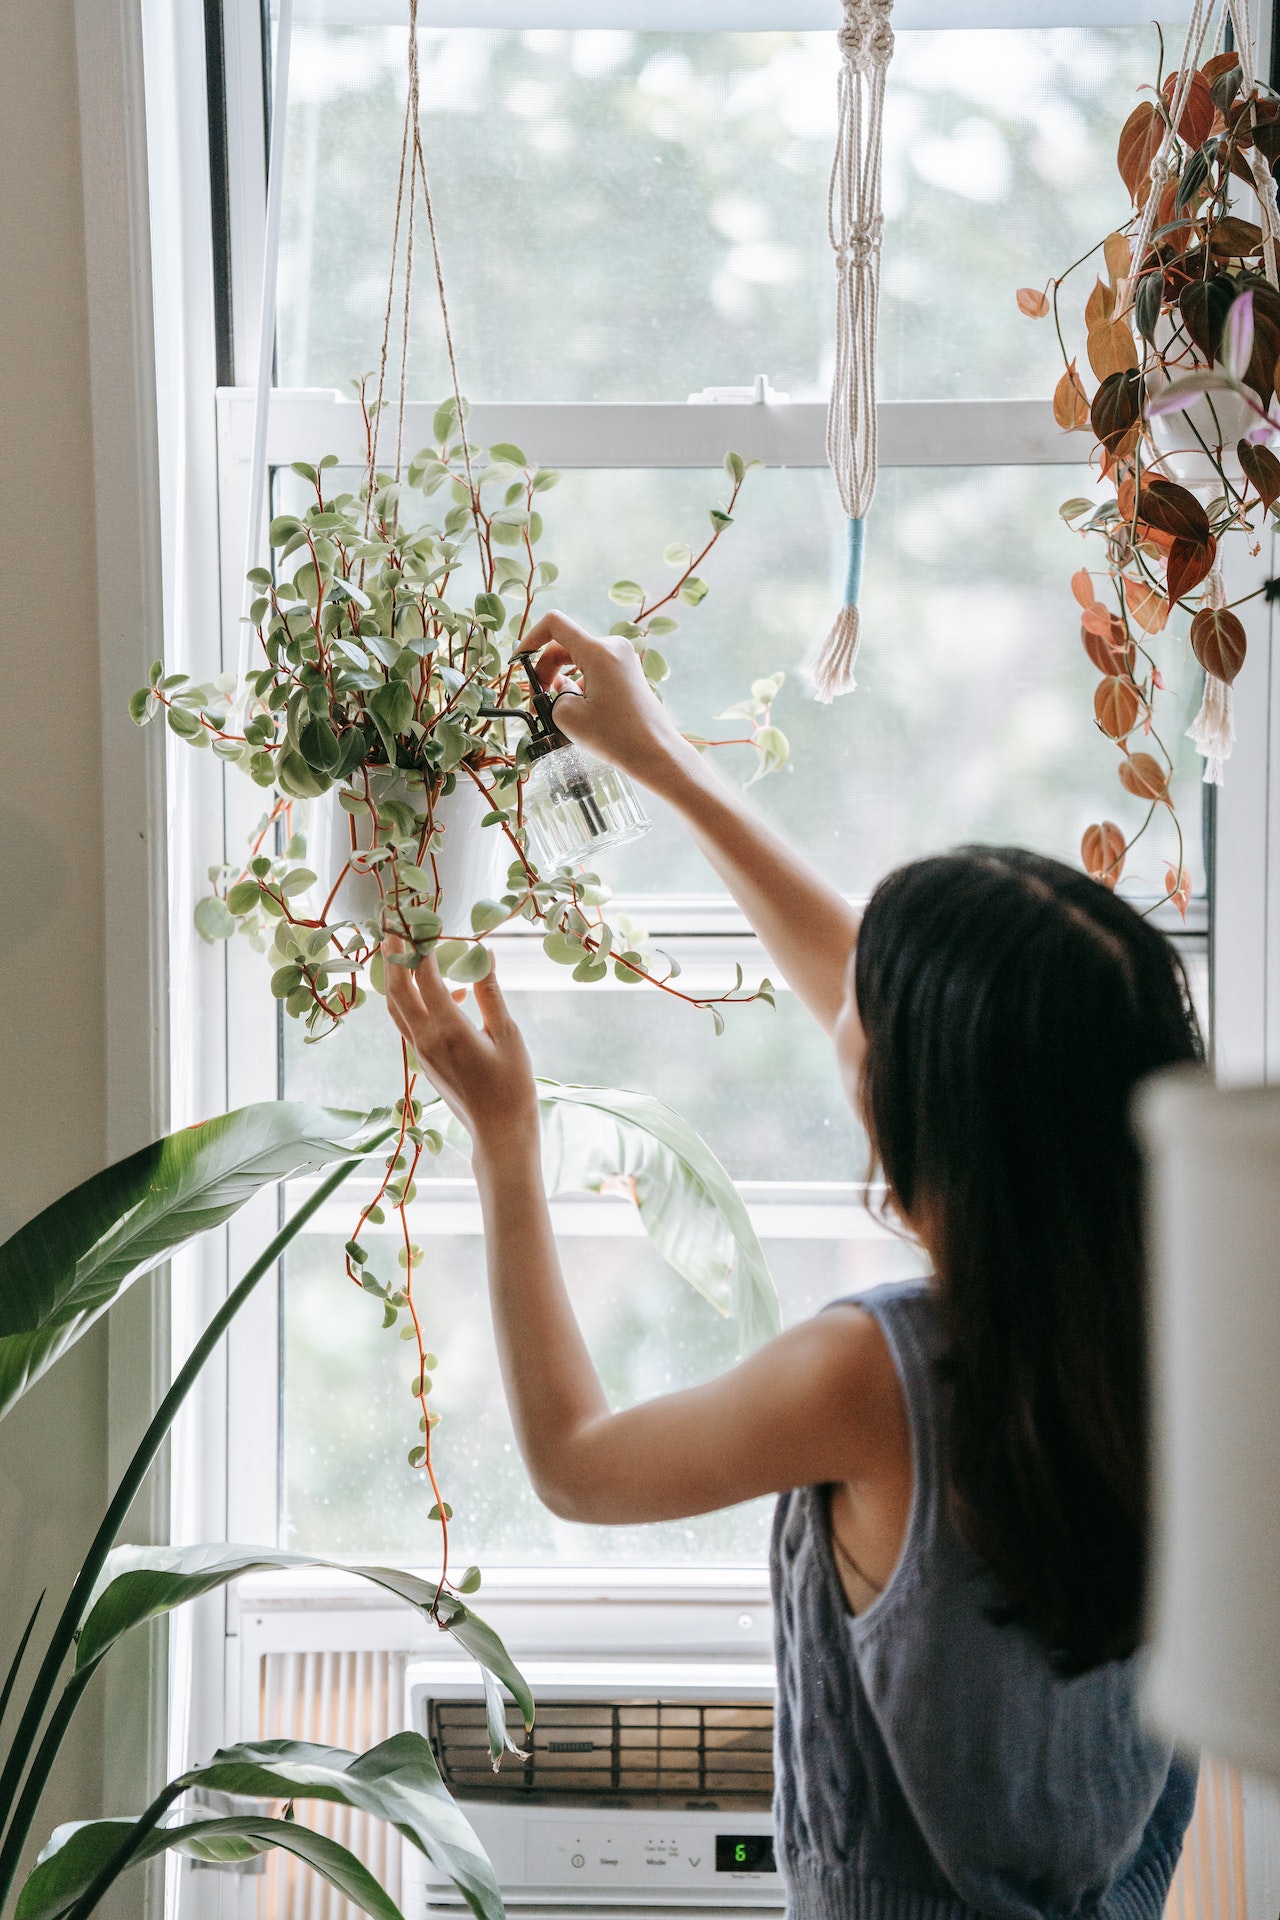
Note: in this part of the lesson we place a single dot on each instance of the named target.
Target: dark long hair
(1010, 1006)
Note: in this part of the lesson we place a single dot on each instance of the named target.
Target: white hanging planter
(1212, 426)
(470, 860)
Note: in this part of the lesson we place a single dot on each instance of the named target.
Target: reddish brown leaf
(1240, 168)
(1115, 408)
(1195, 123)
(1109, 648)
(1218, 642)
(1189, 563)
(1070, 402)
(1115, 707)
(1140, 139)
(1147, 607)
(1219, 63)
(1102, 852)
(1204, 305)
(1235, 239)
(1143, 776)
(1172, 509)
(1267, 141)
(1117, 459)
(1260, 373)
(1262, 470)
(1112, 348)
(1032, 302)
(1116, 253)
(1177, 886)
(1082, 588)
(1174, 238)
(1100, 305)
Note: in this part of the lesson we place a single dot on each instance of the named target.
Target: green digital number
(740, 1852)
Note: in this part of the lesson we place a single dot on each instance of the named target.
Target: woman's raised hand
(482, 1073)
(610, 707)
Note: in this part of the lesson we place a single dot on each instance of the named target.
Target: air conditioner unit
(647, 1786)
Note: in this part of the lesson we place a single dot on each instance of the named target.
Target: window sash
(448, 1208)
(307, 421)
(723, 16)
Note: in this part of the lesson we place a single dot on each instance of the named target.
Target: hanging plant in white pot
(412, 790)
(1183, 330)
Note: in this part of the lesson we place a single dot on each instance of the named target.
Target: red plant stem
(647, 612)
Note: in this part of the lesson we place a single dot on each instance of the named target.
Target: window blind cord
(254, 531)
(855, 226)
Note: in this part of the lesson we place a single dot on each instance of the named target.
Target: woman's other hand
(482, 1073)
(610, 708)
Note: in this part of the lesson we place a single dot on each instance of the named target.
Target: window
(628, 219)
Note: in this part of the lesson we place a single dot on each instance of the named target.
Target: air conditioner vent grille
(613, 1753)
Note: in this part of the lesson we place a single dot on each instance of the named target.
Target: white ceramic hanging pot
(470, 860)
(1218, 422)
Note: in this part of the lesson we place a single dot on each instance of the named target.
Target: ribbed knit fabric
(930, 1763)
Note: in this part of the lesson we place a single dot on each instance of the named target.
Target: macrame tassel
(832, 671)
(1213, 729)
(854, 224)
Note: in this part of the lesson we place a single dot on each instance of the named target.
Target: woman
(958, 1552)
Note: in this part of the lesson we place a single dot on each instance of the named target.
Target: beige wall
(52, 1100)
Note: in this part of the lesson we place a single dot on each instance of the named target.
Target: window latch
(761, 394)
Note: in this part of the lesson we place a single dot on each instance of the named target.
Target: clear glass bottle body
(575, 805)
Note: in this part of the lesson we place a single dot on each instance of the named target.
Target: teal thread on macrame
(855, 540)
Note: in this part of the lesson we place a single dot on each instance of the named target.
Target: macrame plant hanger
(413, 174)
(854, 225)
(1213, 729)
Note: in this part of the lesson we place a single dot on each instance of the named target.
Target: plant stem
(111, 1869)
(65, 1631)
(41, 1766)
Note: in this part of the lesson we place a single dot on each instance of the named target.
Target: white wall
(53, 1107)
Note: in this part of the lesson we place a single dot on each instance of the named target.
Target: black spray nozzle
(543, 705)
(544, 735)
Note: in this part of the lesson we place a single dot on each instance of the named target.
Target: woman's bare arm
(808, 929)
(811, 1406)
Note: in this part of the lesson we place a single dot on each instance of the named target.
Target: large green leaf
(77, 1853)
(139, 1583)
(607, 1138)
(397, 1781)
(66, 1267)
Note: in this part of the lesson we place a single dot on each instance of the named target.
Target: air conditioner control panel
(627, 1857)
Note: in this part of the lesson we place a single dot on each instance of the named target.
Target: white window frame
(220, 1487)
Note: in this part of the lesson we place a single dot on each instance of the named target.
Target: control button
(694, 1859)
(577, 1861)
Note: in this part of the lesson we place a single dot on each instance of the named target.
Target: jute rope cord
(413, 173)
(855, 226)
(1213, 729)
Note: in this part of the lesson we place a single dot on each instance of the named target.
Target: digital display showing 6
(745, 1853)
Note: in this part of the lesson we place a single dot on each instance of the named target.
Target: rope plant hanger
(855, 224)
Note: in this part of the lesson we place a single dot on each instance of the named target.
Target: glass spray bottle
(574, 805)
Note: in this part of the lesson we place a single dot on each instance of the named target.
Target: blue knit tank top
(930, 1763)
